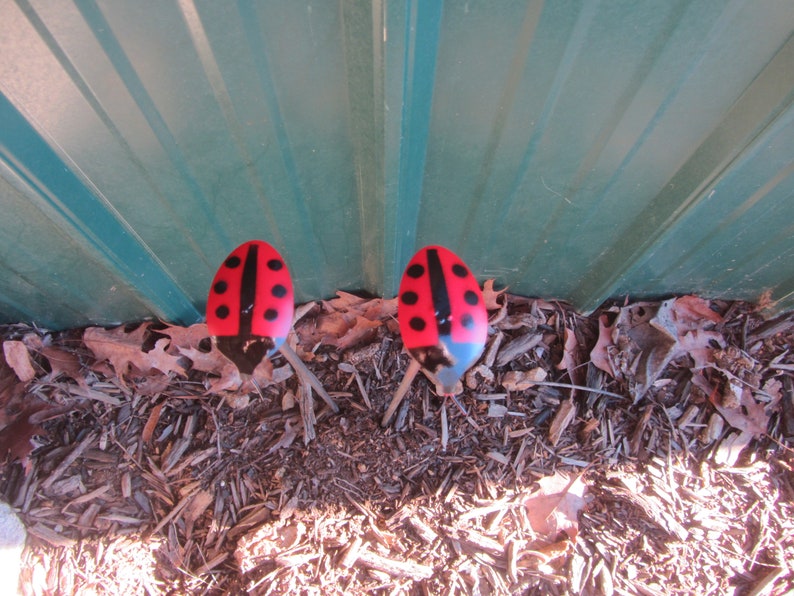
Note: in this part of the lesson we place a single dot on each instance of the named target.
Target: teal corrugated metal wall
(580, 150)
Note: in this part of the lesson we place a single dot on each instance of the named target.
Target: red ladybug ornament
(442, 315)
(250, 304)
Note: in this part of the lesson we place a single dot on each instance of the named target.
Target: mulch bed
(588, 455)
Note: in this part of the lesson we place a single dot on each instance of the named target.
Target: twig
(580, 387)
(306, 404)
(307, 376)
(395, 568)
(444, 426)
(405, 384)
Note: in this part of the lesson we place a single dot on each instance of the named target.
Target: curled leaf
(555, 506)
(18, 358)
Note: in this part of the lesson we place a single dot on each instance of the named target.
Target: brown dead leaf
(151, 384)
(15, 439)
(379, 309)
(647, 336)
(215, 363)
(692, 310)
(212, 362)
(555, 506)
(343, 302)
(346, 321)
(491, 296)
(19, 429)
(124, 349)
(700, 345)
(63, 363)
(264, 375)
(600, 352)
(185, 337)
(569, 354)
(740, 410)
(17, 356)
(11, 390)
(360, 332)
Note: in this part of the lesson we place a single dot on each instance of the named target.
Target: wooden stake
(405, 384)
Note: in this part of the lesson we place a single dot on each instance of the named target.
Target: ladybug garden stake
(443, 320)
(250, 308)
(250, 305)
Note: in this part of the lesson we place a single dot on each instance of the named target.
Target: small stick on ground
(399, 395)
(306, 404)
(444, 426)
(306, 376)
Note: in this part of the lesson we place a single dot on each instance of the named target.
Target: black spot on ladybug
(274, 265)
(271, 314)
(417, 324)
(467, 321)
(232, 262)
(459, 270)
(220, 287)
(470, 297)
(279, 291)
(222, 311)
(415, 271)
(410, 298)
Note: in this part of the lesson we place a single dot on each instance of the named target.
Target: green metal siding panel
(574, 149)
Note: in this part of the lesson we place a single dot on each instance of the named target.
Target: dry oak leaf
(20, 413)
(17, 356)
(185, 337)
(491, 296)
(122, 349)
(215, 363)
(569, 354)
(692, 310)
(347, 321)
(63, 363)
(374, 309)
(647, 336)
(555, 506)
(15, 439)
(599, 355)
(739, 408)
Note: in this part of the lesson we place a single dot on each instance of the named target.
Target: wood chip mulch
(587, 455)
